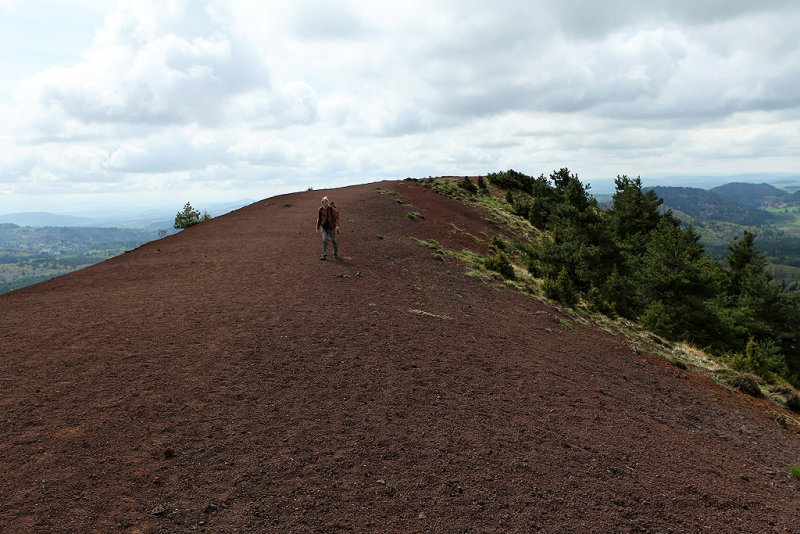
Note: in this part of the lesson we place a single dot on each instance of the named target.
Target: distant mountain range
(149, 220)
(736, 203)
(757, 195)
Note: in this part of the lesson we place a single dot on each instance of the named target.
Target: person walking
(328, 223)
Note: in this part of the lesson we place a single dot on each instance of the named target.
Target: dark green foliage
(634, 214)
(468, 185)
(759, 305)
(189, 217)
(763, 359)
(498, 243)
(579, 241)
(482, 184)
(538, 212)
(789, 338)
(753, 361)
(561, 289)
(511, 179)
(638, 261)
(598, 302)
(501, 264)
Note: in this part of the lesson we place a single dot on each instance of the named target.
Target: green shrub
(747, 383)
(561, 289)
(599, 303)
(498, 242)
(795, 471)
(511, 179)
(501, 264)
(760, 358)
(189, 217)
(657, 320)
(467, 184)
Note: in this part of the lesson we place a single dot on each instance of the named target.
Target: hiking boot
(323, 258)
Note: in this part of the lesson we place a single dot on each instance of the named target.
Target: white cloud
(173, 150)
(154, 63)
(226, 93)
(295, 103)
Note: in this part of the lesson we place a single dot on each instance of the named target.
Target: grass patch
(565, 323)
(432, 244)
(795, 471)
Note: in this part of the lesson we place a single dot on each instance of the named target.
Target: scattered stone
(158, 510)
(210, 509)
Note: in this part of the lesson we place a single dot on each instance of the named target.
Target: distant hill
(146, 219)
(754, 195)
(40, 219)
(710, 206)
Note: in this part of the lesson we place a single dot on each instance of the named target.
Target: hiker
(328, 222)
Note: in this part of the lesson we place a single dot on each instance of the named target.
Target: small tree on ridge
(189, 217)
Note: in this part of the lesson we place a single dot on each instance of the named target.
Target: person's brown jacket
(328, 214)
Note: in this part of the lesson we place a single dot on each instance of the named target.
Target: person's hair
(324, 200)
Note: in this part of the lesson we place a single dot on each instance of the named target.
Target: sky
(132, 104)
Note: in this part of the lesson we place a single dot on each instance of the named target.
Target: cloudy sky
(144, 103)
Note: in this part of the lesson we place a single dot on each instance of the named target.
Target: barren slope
(226, 380)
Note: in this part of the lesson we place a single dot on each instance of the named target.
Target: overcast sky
(146, 103)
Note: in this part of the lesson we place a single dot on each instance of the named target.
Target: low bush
(746, 383)
(501, 264)
(561, 289)
(468, 185)
(789, 396)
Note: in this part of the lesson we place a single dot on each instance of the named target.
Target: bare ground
(226, 380)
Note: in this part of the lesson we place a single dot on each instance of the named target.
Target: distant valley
(722, 213)
(36, 246)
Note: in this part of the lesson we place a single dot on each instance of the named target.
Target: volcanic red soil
(225, 379)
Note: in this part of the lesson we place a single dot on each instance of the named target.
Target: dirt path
(226, 380)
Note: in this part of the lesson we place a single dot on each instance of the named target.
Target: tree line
(637, 260)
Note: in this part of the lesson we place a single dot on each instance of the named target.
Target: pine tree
(189, 217)
(758, 301)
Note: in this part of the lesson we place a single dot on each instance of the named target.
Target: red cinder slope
(224, 379)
